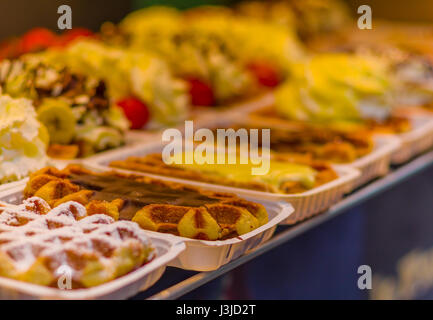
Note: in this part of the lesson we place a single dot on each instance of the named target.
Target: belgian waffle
(393, 124)
(312, 142)
(322, 144)
(154, 204)
(44, 246)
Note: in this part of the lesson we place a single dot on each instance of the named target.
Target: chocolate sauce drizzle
(137, 194)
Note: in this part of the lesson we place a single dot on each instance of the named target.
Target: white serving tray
(412, 143)
(306, 204)
(201, 255)
(11, 185)
(373, 165)
(376, 163)
(124, 287)
(416, 141)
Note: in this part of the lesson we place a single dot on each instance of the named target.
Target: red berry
(136, 111)
(37, 39)
(71, 35)
(266, 74)
(201, 93)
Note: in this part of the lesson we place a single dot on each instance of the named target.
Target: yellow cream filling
(279, 172)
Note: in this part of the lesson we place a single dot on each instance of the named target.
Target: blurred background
(323, 262)
(18, 16)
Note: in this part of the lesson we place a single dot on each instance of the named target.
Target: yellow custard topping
(278, 173)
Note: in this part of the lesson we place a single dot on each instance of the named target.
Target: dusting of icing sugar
(32, 230)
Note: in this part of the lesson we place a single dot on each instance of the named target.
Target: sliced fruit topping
(201, 93)
(101, 138)
(44, 135)
(59, 120)
(265, 74)
(136, 111)
(116, 118)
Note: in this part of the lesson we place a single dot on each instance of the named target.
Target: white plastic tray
(373, 165)
(124, 287)
(306, 204)
(11, 185)
(415, 141)
(412, 143)
(203, 255)
(376, 163)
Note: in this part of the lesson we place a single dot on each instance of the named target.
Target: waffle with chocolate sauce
(67, 246)
(154, 204)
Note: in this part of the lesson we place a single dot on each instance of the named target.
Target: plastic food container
(412, 143)
(416, 141)
(201, 255)
(124, 287)
(11, 185)
(373, 165)
(306, 204)
(376, 163)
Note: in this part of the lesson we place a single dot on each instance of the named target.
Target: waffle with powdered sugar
(44, 246)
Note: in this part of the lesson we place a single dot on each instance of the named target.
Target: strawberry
(200, 92)
(71, 35)
(136, 111)
(265, 74)
(37, 39)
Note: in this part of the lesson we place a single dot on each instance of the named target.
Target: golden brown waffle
(316, 142)
(322, 144)
(393, 124)
(43, 245)
(154, 204)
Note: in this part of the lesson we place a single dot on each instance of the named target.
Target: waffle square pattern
(44, 246)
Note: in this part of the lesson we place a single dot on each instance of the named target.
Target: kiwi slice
(58, 118)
